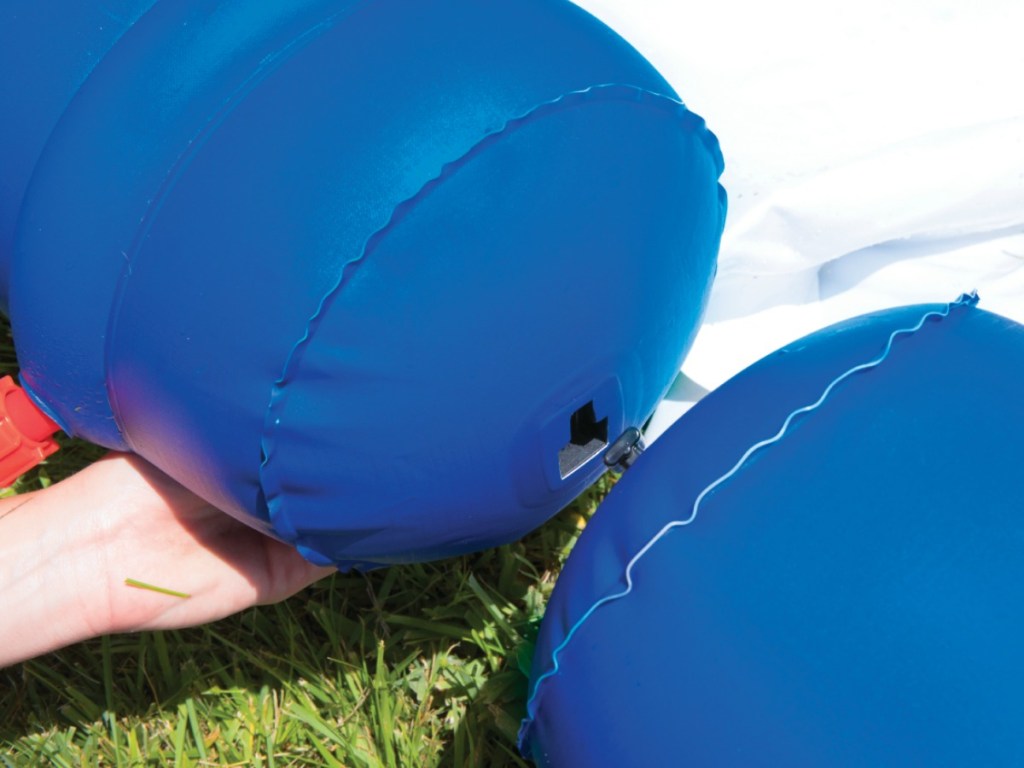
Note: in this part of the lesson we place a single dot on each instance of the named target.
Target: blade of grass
(193, 723)
(161, 590)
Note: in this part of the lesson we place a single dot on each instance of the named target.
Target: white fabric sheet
(874, 157)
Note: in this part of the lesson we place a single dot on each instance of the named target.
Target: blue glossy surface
(347, 268)
(852, 596)
(47, 50)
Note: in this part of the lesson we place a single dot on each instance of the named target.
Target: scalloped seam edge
(269, 484)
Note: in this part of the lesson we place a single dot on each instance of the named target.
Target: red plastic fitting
(26, 433)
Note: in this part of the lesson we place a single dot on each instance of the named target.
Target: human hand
(65, 553)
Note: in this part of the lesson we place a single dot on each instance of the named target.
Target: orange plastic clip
(26, 433)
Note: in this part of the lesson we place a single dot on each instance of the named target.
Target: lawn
(419, 665)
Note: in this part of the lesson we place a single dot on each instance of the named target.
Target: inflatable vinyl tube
(379, 279)
(819, 564)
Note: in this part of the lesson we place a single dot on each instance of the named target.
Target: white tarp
(874, 157)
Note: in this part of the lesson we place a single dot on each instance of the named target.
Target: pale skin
(65, 553)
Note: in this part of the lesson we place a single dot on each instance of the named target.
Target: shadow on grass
(422, 660)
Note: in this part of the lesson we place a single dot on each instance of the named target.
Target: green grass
(419, 665)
